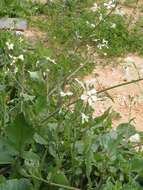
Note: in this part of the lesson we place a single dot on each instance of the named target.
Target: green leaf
(15, 184)
(104, 120)
(5, 158)
(2, 179)
(35, 75)
(27, 97)
(137, 164)
(57, 176)
(19, 133)
(6, 154)
(39, 139)
(28, 155)
(40, 104)
(79, 146)
(126, 130)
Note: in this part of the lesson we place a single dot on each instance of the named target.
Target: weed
(49, 138)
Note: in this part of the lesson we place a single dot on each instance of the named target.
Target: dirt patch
(33, 35)
(125, 100)
(133, 12)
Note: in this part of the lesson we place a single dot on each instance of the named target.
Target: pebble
(13, 23)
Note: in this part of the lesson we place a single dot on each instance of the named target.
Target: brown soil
(33, 35)
(132, 12)
(126, 100)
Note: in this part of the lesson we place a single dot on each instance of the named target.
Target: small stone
(13, 23)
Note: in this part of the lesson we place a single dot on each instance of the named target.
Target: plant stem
(54, 184)
(119, 85)
(99, 92)
(67, 78)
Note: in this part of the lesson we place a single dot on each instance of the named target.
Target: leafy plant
(49, 138)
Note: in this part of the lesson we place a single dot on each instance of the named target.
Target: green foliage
(136, 38)
(45, 142)
(19, 133)
(14, 184)
(13, 8)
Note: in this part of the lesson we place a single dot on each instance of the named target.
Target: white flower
(6, 72)
(10, 46)
(63, 94)
(94, 8)
(84, 118)
(110, 4)
(14, 59)
(139, 148)
(78, 36)
(99, 46)
(51, 60)
(100, 17)
(21, 39)
(113, 25)
(89, 96)
(135, 138)
(105, 41)
(15, 70)
(21, 57)
(87, 22)
(19, 33)
(96, 40)
(103, 44)
(92, 25)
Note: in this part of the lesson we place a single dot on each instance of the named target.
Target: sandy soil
(126, 100)
(33, 34)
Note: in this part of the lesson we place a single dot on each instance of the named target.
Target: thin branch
(54, 184)
(119, 85)
(106, 16)
(99, 92)
(68, 78)
(4, 170)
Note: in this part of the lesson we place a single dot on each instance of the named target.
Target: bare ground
(126, 100)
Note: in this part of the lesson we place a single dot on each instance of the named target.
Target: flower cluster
(92, 25)
(94, 7)
(15, 58)
(135, 138)
(84, 118)
(90, 94)
(9, 45)
(51, 60)
(113, 25)
(103, 44)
